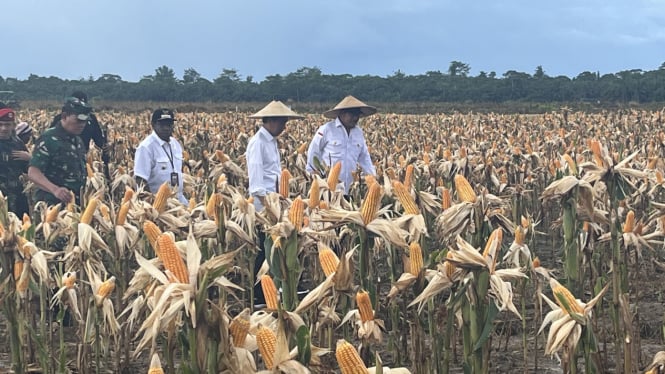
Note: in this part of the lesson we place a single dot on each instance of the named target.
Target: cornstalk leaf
(304, 341)
(492, 312)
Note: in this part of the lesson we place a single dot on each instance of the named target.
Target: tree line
(311, 85)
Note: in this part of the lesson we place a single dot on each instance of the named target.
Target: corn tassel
(86, 217)
(296, 213)
(267, 343)
(284, 180)
(155, 365)
(269, 292)
(405, 198)
(173, 262)
(239, 328)
(161, 196)
(328, 260)
(121, 218)
(408, 177)
(333, 176)
(364, 306)
(629, 225)
(371, 203)
(314, 195)
(416, 258)
(348, 359)
(464, 190)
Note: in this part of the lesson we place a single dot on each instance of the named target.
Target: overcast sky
(76, 39)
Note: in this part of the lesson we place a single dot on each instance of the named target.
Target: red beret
(7, 115)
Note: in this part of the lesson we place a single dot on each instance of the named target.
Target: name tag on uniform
(174, 179)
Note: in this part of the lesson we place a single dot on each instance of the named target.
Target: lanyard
(170, 156)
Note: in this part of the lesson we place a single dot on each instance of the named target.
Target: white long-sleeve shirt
(332, 143)
(263, 165)
(154, 162)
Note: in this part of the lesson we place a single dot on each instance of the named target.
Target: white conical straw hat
(276, 109)
(350, 102)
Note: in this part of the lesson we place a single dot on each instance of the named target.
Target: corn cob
(370, 180)
(89, 170)
(129, 193)
(495, 236)
(314, 196)
(323, 205)
(536, 262)
(447, 155)
(570, 162)
(426, 158)
(565, 299)
(597, 152)
(221, 180)
(269, 292)
(71, 203)
(364, 306)
(464, 190)
(659, 177)
(86, 217)
(173, 262)
(106, 288)
(525, 222)
(529, 148)
(408, 177)
(462, 152)
(155, 365)
(104, 211)
(302, 148)
(213, 202)
(446, 200)
(23, 247)
(69, 279)
(192, 204)
(2, 230)
(52, 213)
(416, 257)
(328, 260)
(121, 218)
(296, 213)
(161, 196)
(239, 328)
(26, 222)
(333, 175)
(652, 163)
(221, 157)
(284, 180)
(18, 268)
(520, 235)
(371, 203)
(152, 232)
(348, 359)
(391, 174)
(629, 225)
(267, 342)
(405, 198)
(449, 266)
(402, 161)
(24, 279)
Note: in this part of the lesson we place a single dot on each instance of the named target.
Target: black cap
(162, 115)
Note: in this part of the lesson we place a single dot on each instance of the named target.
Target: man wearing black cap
(158, 158)
(92, 131)
(57, 166)
(14, 158)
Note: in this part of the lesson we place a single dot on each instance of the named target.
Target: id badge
(174, 179)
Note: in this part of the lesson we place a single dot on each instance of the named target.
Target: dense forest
(311, 85)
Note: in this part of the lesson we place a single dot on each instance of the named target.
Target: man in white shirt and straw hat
(264, 166)
(342, 140)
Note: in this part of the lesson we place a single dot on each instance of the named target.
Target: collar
(265, 134)
(159, 140)
(60, 131)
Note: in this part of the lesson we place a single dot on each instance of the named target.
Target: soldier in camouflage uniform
(57, 166)
(14, 157)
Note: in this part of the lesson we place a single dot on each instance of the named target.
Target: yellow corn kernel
(370, 179)
(563, 296)
(416, 257)
(408, 177)
(328, 260)
(348, 359)
(495, 237)
(267, 342)
(106, 288)
(213, 203)
(364, 305)
(520, 235)
(333, 175)
(239, 328)
(161, 196)
(464, 190)
(570, 163)
(446, 200)
(405, 198)
(371, 203)
(86, 217)
(129, 193)
(155, 365)
(629, 225)
(152, 232)
(296, 213)
(121, 218)
(269, 292)
(314, 195)
(173, 262)
(284, 180)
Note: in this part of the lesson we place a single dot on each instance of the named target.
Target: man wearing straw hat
(342, 140)
(264, 167)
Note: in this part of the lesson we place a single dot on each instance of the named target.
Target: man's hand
(21, 155)
(63, 194)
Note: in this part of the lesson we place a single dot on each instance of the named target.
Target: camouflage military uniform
(10, 171)
(60, 156)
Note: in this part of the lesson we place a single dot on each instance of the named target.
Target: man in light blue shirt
(264, 167)
(159, 157)
(342, 140)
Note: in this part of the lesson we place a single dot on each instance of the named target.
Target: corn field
(485, 244)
